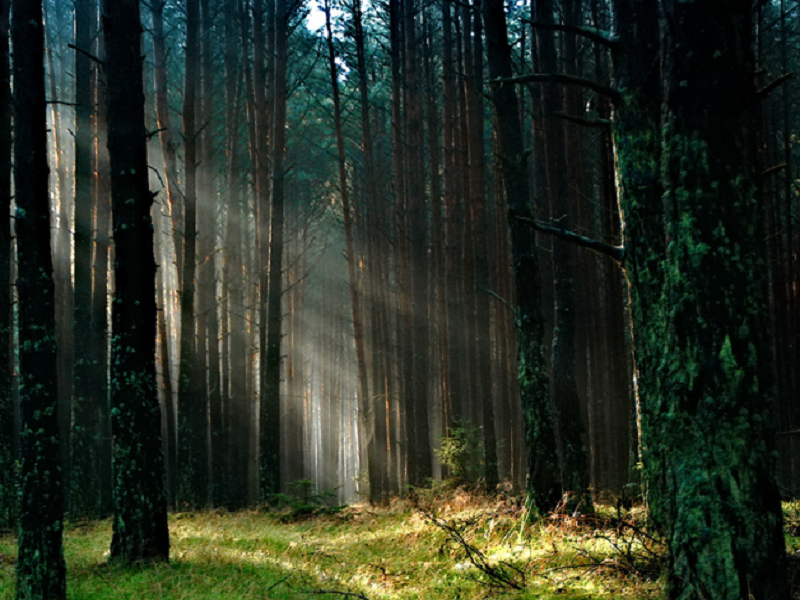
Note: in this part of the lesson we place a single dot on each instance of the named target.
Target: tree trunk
(543, 484)
(192, 407)
(270, 391)
(86, 429)
(720, 501)
(41, 572)
(140, 508)
(8, 483)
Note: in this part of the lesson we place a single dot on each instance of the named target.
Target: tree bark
(41, 572)
(720, 501)
(192, 407)
(140, 508)
(543, 481)
(8, 476)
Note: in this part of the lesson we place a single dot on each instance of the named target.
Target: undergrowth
(427, 548)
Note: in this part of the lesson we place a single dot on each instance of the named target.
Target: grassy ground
(390, 553)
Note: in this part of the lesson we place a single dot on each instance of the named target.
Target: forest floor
(458, 546)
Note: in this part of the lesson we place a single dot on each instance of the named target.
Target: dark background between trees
(381, 225)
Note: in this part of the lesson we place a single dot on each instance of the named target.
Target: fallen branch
(338, 593)
(617, 253)
(501, 575)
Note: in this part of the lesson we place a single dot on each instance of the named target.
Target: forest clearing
(393, 552)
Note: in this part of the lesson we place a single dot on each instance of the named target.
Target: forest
(394, 299)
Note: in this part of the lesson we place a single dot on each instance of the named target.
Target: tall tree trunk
(375, 417)
(270, 396)
(566, 403)
(543, 482)
(99, 341)
(140, 508)
(86, 429)
(41, 572)
(165, 133)
(355, 300)
(8, 484)
(192, 407)
(720, 501)
(420, 466)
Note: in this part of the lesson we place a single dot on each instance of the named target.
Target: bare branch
(359, 595)
(85, 53)
(597, 36)
(772, 85)
(604, 90)
(600, 123)
(617, 253)
(773, 169)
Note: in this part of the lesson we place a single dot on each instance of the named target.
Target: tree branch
(617, 253)
(773, 169)
(601, 123)
(604, 90)
(87, 54)
(597, 36)
(772, 85)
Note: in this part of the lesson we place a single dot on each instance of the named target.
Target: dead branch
(772, 170)
(601, 123)
(604, 90)
(338, 593)
(772, 85)
(502, 575)
(617, 253)
(597, 36)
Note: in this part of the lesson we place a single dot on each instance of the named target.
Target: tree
(192, 408)
(41, 571)
(543, 480)
(140, 510)
(8, 487)
(270, 473)
(719, 500)
(87, 405)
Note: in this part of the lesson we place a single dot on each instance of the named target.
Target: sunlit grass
(388, 553)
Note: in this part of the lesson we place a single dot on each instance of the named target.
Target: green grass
(388, 553)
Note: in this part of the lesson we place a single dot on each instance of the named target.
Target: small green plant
(461, 451)
(304, 501)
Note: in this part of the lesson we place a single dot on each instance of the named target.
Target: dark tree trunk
(87, 435)
(99, 341)
(374, 419)
(41, 572)
(350, 255)
(720, 501)
(192, 407)
(237, 401)
(270, 391)
(140, 509)
(543, 485)
(420, 466)
(8, 485)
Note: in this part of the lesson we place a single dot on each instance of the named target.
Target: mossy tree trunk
(41, 572)
(720, 501)
(8, 486)
(543, 478)
(636, 137)
(140, 509)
